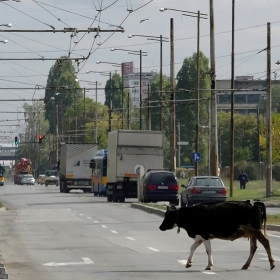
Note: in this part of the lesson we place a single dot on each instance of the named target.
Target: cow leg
(207, 244)
(253, 248)
(197, 241)
(265, 242)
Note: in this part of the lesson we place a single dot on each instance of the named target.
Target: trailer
(74, 171)
(128, 149)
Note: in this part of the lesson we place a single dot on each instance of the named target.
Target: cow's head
(170, 218)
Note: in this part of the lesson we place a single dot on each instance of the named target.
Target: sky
(251, 17)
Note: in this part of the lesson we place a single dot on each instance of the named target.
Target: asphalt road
(56, 236)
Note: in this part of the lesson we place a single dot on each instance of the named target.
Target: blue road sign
(196, 156)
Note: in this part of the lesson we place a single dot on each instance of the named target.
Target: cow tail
(263, 210)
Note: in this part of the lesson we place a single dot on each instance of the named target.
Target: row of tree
(67, 115)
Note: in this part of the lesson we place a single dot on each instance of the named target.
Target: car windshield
(215, 182)
(158, 178)
(27, 176)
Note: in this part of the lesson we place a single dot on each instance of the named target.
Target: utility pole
(179, 146)
(197, 92)
(149, 108)
(172, 101)
(214, 133)
(268, 118)
(95, 118)
(160, 88)
(110, 104)
(56, 106)
(128, 110)
(122, 65)
(140, 96)
(84, 130)
(69, 133)
(231, 173)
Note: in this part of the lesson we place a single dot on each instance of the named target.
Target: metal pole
(209, 135)
(56, 132)
(258, 134)
(84, 116)
(160, 88)
(179, 146)
(76, 130)
(110, 107)
(61, 121)
(214, 133)
(128, 110)
(268, 118)
(95, 119)
(231, 173)
(68, 125)
(172, 103)
(149, 108)
(122, 96)
(197, 92)
(140, 97)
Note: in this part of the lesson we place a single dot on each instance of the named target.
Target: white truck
(74, 171)
(128, 149)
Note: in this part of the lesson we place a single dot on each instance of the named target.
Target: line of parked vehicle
(25, 179)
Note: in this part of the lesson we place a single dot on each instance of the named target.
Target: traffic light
(40, 139)
(16, 140)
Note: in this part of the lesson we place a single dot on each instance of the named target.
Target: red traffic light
(40, 138)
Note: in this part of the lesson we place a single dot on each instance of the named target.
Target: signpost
(196, 156)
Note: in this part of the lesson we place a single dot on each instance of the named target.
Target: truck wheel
(122, 200)
(61, 188)
(115, 199)
(109, 198)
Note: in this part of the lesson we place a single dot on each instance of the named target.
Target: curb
(161, 213)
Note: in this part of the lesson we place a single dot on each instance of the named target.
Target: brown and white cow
(223, 220)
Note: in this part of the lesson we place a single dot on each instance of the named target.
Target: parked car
(18, 179)
(27, 180)
(202, 189)
(160, 185)
(41, 179)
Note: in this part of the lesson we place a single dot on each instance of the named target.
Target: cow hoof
(272, 266)
(189, 264)
(208, 268)
(245, 267)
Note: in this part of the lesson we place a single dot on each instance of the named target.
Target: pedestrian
(243, 180)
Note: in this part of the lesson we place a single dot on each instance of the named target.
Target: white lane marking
(104, 226)
(276, 258)
(153, 249)
(74, 211)
(89, 218)
(85, 261)
(130, 238)
(183, 262)
(81, 214)
(272, 235)
(208, 272)
(113, 231)
(96, 222)
(69, 209)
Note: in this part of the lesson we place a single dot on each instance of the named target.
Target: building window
(253, 98)
(224, 98)
(240, 98)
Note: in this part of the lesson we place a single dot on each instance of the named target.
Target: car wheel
(109, 198)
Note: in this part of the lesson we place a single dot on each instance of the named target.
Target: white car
(27, 180)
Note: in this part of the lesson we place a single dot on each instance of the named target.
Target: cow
(228, 220)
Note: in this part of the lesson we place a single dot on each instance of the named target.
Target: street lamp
(140, 53)
(160, 39)
(7, 24)
(198, 15)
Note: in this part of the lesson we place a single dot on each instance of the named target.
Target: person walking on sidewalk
(243, 179)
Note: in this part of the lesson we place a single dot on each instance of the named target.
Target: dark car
(202, 189)
(160, 185)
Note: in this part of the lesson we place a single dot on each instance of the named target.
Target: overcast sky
(250, 37)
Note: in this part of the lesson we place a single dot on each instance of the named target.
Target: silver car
(203, 189)
(27, 180)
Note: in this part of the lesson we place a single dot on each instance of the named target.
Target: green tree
(275, 100)
(62, 88)
(186, 110)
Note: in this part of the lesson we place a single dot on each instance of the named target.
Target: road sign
(196, 156)
(180, 143)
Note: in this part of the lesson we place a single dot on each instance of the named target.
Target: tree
(275, 98)
(186, 110)
(62, 88)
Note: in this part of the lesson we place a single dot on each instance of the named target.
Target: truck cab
(51, 178)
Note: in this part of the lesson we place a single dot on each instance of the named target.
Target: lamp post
(198, 15)
(161, 39)
(106, 73)
(122, 71)
(140, 53)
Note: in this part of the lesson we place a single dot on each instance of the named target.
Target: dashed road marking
(209, 272)
(81, 214)
(113, 231)
(69, 209)
(153, 249)
(96, 222)
(104, 226)
(272, 235)
(276, 258)
(183, 262)
(130, 238)
(89, 218)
